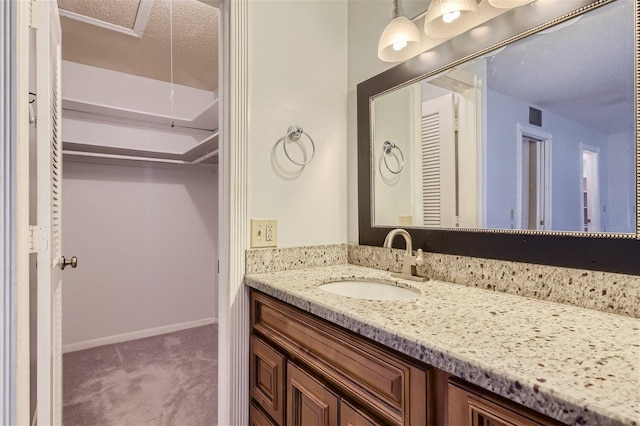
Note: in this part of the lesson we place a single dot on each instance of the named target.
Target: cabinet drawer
(266, 381)
(349, 416)
(393, 389)
(479, 408)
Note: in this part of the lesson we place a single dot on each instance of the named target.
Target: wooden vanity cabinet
(267, 378)
(374, 385)
(312, 403)
(350, 416)
(307, 371)
(257, 417)
(309, 402)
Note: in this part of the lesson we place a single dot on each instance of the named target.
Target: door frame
(546, 138)
(14, 216)
(594, 150)
(233, 302)
(233, 297)
(7, 218)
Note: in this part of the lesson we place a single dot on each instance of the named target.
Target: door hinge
(34, 16)
(456, 125)
(38, 239)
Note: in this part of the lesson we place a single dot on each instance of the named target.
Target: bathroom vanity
(473, 162)
(455, 355)
(308, 371)
(318, 365)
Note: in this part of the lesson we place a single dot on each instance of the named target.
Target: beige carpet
(163, 380)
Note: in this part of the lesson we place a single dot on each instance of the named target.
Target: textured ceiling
(118, 12)
(195, 40)
(583, 71)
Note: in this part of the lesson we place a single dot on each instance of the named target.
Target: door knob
(73, 262)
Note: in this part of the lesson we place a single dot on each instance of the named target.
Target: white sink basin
(369, 290)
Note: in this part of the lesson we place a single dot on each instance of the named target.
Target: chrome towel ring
(294, 132)
(387, 147)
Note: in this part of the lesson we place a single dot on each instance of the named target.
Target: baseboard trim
(140, 334)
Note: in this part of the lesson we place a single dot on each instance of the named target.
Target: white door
(436, 168)
(49, 179)
(590, 190)
(533, 153)
(533, 183)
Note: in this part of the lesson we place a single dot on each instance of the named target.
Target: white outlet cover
(264, 233)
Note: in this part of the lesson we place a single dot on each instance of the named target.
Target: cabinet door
(379, 381)
(258, 418)
(309, 403)
(266, 381)
(350, 416)
(469, 409)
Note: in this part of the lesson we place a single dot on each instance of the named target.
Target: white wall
(367, 19)
(622, 190)
(395, 117)
(298, 75)
(146, 241)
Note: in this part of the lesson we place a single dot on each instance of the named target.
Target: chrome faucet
(409, 262)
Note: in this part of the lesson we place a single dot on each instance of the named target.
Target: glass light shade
(400, 40)
(508, 4)
(438, 22)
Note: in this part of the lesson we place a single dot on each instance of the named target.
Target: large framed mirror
(516, 140)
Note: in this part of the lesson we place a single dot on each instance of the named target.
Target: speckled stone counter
(576, 365)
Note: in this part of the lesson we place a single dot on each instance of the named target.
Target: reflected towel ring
(387, 148)
(294, 133)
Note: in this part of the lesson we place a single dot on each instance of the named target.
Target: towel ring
(387, 148)
(294, 133)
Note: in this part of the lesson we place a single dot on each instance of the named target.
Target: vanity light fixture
(448, 18)
(508, 4)
(401, 39)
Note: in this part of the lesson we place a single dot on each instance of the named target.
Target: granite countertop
(576, 365)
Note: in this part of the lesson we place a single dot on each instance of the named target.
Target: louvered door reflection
(437, 172)
(431, 169)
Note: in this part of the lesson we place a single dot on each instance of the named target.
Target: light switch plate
(264, 233)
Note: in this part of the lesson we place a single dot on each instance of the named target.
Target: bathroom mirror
(538, 134)
(516, 140)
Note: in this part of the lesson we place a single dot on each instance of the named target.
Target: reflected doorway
(534, 179)
(590, 189)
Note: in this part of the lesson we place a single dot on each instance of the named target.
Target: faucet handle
(419, 257)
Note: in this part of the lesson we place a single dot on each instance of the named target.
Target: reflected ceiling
(539, 61)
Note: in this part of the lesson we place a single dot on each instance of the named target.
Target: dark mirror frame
(601, 252)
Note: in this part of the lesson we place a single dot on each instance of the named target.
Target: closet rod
(134, 158)
(204, 157)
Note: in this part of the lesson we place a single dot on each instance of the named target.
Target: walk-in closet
(140, 211)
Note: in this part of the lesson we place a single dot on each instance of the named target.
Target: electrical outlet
(405, 220)
(264, 233)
